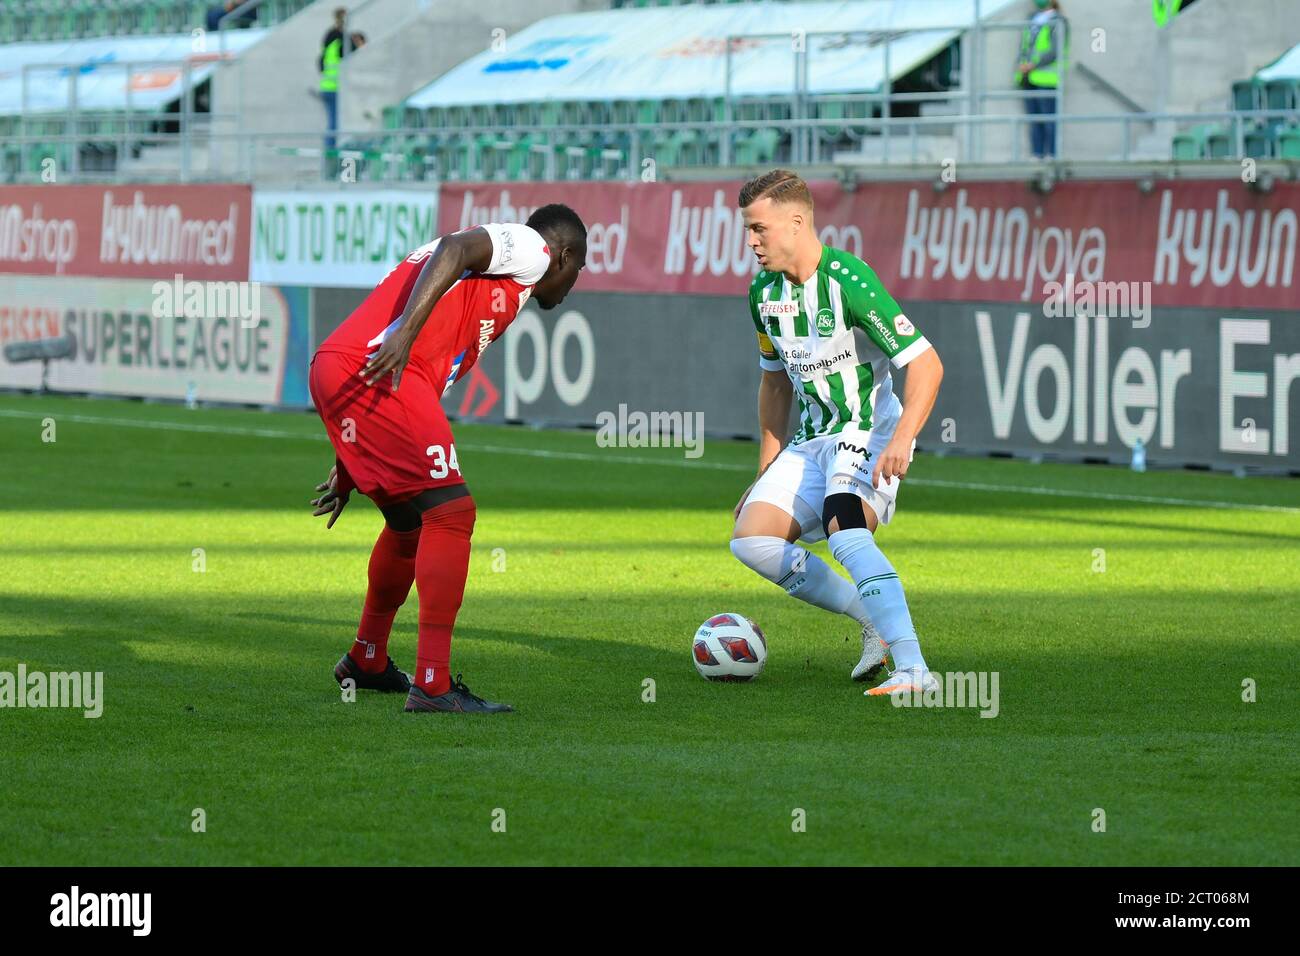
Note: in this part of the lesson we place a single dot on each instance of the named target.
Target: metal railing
(604, 151)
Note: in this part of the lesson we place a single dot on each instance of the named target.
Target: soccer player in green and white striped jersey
(838, 475)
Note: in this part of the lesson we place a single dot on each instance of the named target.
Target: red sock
(392, 570)
(441, 566)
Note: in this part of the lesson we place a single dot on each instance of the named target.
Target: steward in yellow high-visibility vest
(331, 55)
(330, 59)
(1043, 47)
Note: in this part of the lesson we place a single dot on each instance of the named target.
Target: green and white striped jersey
(808, 330)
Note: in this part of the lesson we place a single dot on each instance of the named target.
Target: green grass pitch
(1119, 689)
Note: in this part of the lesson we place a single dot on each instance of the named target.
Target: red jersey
(470, 315)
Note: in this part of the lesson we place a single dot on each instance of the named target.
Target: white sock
(881, 593)
(803, 575)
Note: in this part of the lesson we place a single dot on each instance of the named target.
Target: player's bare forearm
(470, 250)
(774, 395)
(924, 373)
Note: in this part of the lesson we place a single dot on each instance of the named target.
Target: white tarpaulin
(97, 65)
(1285, 67)
(680, 52)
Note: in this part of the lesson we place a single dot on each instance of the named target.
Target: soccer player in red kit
(377, 383)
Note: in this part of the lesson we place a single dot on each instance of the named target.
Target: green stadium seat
(573, 113)
(1219, 143)
(830, 109)
(455, 117)
(1288, 143)
(456, 153)
(548, 114)
(1259, 140)
(1205, 141)
(666, 151)
(692, 147)
(623, 112)
(1282, 94)
(757, 147)
(1188, 145)
(1248, 95)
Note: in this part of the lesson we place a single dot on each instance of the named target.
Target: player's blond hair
(780, 186)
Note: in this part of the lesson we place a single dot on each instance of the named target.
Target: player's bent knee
(845, 510)
(758, 552)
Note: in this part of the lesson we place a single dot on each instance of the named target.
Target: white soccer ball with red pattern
(729, 647)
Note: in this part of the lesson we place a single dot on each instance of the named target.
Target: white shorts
(803, 475)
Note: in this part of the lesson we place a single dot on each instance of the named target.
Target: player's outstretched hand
(892, 463)
(391, 358)
(331, 502)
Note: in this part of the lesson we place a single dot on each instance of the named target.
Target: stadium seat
(1205, 141)
(1219, 143)
(829, 109)
(1248, 95)
(757, 148)
(1282, 94)
(1288, 143)
(456, 117)
(1259, 139)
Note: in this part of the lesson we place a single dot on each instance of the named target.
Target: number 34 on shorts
(444, 460)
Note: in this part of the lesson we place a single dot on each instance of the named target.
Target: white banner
(344, 238)
(219, 341)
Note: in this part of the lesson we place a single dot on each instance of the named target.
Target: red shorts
(390, 445)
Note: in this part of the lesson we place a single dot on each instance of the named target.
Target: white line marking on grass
(669, 462)
(164, 426)
(1099, 495)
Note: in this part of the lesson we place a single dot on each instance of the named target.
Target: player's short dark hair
(779, 185)
(558, 222)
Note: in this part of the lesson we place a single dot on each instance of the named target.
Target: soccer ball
(729, 647)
